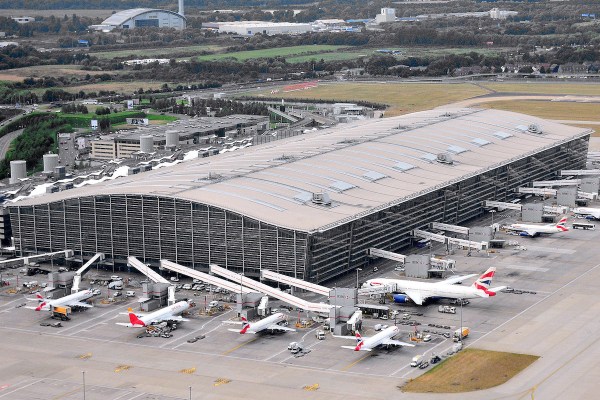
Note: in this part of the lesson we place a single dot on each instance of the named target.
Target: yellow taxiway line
(238, 346)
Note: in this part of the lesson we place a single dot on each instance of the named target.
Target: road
(6, 140)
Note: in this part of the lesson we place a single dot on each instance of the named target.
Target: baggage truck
(61, 312)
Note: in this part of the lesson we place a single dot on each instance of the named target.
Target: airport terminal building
(309, 206)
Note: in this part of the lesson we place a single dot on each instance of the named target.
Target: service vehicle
(320, 335)
(187, 286)
(447, 309)
(416, 361)
(130, 293)
(457, 337)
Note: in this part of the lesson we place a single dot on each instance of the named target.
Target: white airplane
(587, 212)
(383, 338)
(72, 300)
(536, 230)
(419, 292)
(271, 323)
(170, 313)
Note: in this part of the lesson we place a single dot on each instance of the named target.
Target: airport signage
(137, 121)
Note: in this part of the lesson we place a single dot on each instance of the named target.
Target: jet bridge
(579, 172)
(213, 280)
(37, 257)
(564, 182)
(278, 294)
(450, 228)
(153, 276)
(288, 280)
(83, 269)
(448, 240)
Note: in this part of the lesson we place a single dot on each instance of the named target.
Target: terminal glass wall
(342, 249)
(154, 228)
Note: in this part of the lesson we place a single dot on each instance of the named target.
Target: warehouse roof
(122, 16)
(364, 166)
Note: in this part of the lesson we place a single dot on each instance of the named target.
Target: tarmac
(558, 322)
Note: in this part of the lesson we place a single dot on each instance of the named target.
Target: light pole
(461, 320)
(493, 229)
(190, 393)
(83, 374)
(357, 269)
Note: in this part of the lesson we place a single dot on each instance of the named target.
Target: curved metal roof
(363, 166)
(122, 16)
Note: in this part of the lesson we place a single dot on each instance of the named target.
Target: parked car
(424, 365)
(187, 286)
(174, 279)
(197, 280)
(115, 278)
(116, 294)
(130, 293)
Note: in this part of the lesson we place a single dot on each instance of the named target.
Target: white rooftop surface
(119, 17)
(363, 166)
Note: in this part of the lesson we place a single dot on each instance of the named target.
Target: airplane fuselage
(67, 300)
(379, 338)
(586, 211)
(538, 229)
(428, 290)
(266, 322)
(165, 313)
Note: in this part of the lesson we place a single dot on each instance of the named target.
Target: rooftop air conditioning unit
(533, 128)
(321, 199)
(445, 158)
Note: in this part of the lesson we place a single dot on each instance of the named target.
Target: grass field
(403, 98)
(470, 370)
(118, 87)
(151, 53)
(270, 53)
(331, 56)
(550, 109)
(540, 87)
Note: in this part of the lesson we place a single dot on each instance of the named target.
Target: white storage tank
(50, 162)
(18, 170)
(172, 139)
(147, 144)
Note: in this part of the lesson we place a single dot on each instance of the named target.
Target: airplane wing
(232, 322)
(80, 304)
(129, 325)
(177, 318)
(397, 343)
(276, 327)
(354, 348)
(415, 296)
(455, 279)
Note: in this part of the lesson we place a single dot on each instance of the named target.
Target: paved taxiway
(559, 323)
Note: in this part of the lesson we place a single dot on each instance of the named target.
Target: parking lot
(539, 269)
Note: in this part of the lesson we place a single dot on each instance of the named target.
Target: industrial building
(309, 206)
(143, 18)
(204, 130)
(251, 28)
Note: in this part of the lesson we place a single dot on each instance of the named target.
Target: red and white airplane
(271, 323)
(536, 230)
(72, 300)
(165, 314)
(419, 292)
(383, 338)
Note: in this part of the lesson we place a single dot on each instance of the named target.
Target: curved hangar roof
(363, 166)
(121, 17)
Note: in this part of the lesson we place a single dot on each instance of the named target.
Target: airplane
(165, 314)
(72, 300)
(271, 323)
(419, 292)
(589, 213)
(383, 338)
(536, 230)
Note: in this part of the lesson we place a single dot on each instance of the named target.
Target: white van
(130, 293)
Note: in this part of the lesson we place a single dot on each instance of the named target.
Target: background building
(250, 28)
(308, 206)
(143, 18)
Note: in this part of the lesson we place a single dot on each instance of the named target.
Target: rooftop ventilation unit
(534, 128)
(321, 199)
(445, 158)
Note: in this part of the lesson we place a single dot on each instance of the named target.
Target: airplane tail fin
(39, 296)
(562, 224)
(245, 326)
(41, 306)
(134, 319)
(359, 341)
(484, 282)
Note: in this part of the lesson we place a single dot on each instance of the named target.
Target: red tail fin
(245, 325)
(135, 320)
(42, 305)
(38, 295)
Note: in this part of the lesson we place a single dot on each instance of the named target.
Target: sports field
(470, 370)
